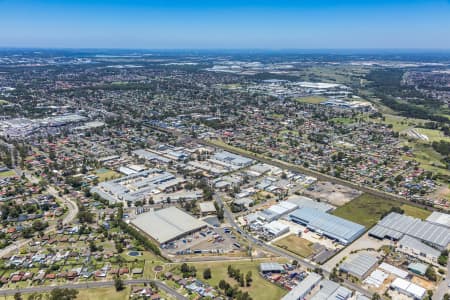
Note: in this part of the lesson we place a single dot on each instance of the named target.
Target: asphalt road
(89, 285)
(443, 286)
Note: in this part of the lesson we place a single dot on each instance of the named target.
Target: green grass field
(260, 289)
(399, 123)
(106, 174)
(415, 212)
(311, 99)
(429, 159)
(9, 173)
(296, 245)
(104, 294)
(433, 134)
(343, 120)
(93, 294)
(367, 210)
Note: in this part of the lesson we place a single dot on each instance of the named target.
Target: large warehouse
(331, 226)
(394, 226)
(167, 224)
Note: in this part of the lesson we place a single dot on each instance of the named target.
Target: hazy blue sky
(277, 24)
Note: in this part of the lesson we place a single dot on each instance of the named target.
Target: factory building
(359, 265)
(168, 224)
(394, 226)
(333, 227)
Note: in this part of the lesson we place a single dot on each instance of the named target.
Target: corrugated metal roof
(303, 288)
(167, 224)
(425, 231)
(331, 226)
(417, 245)
(359, 264)
(440, 219)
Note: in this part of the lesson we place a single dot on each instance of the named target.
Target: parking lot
(212, 240)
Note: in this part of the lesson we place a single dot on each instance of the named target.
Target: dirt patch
(334, 194)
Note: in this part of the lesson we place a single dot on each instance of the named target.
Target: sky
(226, 24)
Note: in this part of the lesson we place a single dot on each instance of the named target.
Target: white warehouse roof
(167, 224)
(439, 219)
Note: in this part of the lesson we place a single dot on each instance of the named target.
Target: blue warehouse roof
(334, 227)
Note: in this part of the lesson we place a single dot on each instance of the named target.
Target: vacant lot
(365, 210)
(296, 245)
(368, 210)
(103, 294)
(334, 194)
(260, 288)
(415, 212)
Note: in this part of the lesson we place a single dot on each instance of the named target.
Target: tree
(443, 258)
(18, 296)
(63, 294)
(248, 278)
(376, 297)
(207, 273)
(241, 279)
(35, 296)
(118, 284)
(38, 225)
(431, 273)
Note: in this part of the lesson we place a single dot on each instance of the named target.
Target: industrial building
(305, 287)
(271, 268)
(359, 265)
(276, 211)
(393, 270)
(276, 228)
(439, 218)
(302, 201)
(408, 288)
(150, 156)
(394, 226)
(416, 248)
(207, 208)
(230, 160)
(330, 290)
(138, 186)
(167, 224)
(418, 268)
(336, 228)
